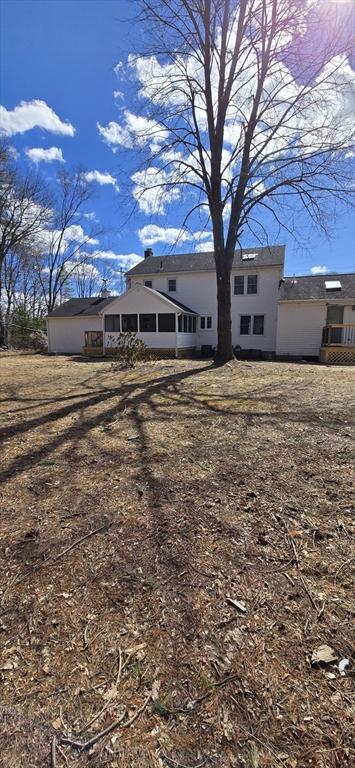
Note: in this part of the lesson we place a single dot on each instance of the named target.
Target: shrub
(26, 332)
(126, 350)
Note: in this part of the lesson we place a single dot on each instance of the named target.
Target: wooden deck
(338, 344)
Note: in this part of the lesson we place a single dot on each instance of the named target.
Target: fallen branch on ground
(79, 541)
(54, 752)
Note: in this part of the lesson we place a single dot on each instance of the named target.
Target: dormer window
(248, 256)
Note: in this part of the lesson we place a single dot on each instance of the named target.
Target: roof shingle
(74, 307)
(313, 287)
(203, 262)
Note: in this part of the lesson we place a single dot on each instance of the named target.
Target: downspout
(176, 334)
(48, 337)
(101, 314)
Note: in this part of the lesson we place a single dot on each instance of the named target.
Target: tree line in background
(46, 242)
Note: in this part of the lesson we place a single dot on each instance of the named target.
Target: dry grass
(204, 483)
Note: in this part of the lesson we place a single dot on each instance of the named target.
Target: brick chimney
(148, 252)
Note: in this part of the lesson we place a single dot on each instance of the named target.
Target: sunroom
(166, 326)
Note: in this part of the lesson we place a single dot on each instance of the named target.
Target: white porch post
(176, 336)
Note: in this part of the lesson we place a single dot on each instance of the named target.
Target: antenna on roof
(104, 292)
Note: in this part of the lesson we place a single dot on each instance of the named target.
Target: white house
(191, 278)
(316, 318)
(171, 304)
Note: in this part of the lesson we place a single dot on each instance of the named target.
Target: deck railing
(94, 339)
(341, 334)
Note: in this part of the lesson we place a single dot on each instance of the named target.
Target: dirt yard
(133, 505)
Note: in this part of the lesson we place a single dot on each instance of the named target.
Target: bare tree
(247, 108)
(64, 247)
(87, 280)
(25, 207)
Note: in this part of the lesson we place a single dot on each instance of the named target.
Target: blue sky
(63, 53)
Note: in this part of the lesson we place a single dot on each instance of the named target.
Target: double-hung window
(206, 322)
(172, 286)
(245, 323)
(252, 324)
(252, 284)
(258, 325)
(148, 283)
(238, 285)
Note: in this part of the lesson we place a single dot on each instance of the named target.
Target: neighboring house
(171, 303)
(316, 317)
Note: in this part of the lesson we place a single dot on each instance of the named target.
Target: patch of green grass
(250, 757)
(183, 531)
(150, 582)
(160, 708)
(47, 463)
(127, 578)
(206, 681)
(346, 454)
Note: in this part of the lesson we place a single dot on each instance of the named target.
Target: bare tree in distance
(64, 247)
(25, 209)
(247, 107)
(87, 280)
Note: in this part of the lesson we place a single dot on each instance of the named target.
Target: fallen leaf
(324, 654)
(155, 690)
(239, 604)
(343, 664)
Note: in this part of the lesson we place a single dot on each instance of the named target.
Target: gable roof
(313, 287)
(93, 305)
(204, 262)
(78, 307)
(178, 304)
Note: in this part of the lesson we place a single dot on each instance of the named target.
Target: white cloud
(38, 155)
(91, 216)
(84, 270)
(154, 190)
(205, 246)
(32, 114)
(124, 260)
(13, 153)
(118, 95)
(101, 178)
(49, 238)
(319, 270)
(135, 131)
(151, 234)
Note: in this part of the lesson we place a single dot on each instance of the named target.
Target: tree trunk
(224, 329)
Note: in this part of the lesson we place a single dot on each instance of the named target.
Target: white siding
(66, 335)
(140, 301)
(299, 327)
(186, 340)
(262, 303)
(349, 313)
(151, 340)
(198, 291)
